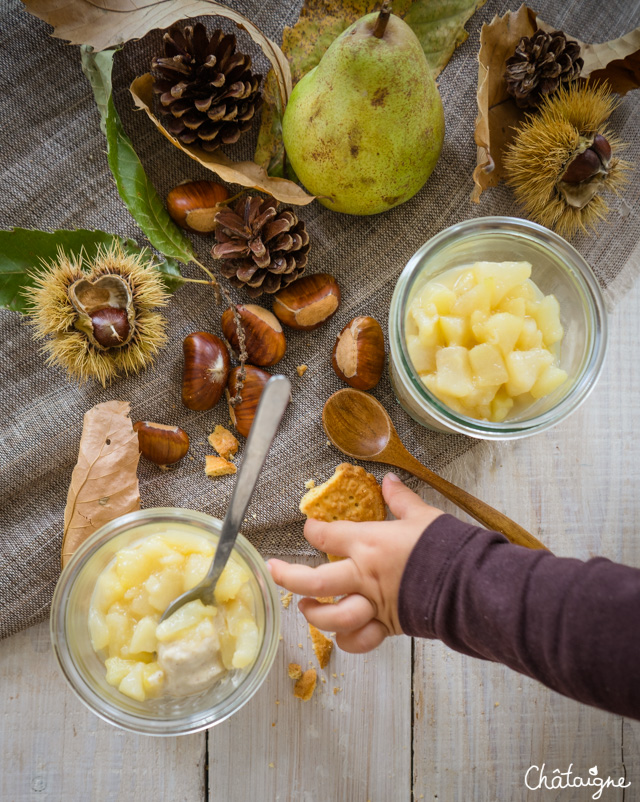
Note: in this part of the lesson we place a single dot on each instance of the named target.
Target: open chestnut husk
(205, 372)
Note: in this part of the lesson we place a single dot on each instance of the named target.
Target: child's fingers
(332, 538)
(349, 614)
(329, 579)
(365, 639)
(402, 502)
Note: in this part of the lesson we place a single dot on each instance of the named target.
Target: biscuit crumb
(273, 724)
(322, 646)
(306, 685)
(324, 679)
(218, 466)
(223, 441)
(334, 675)
(295, 670)
(286, 599)
(326, 599)
(310, 484)
(281, 637)
(336, 690)
(496, 704)
(277, 702)
(271, 765)
(300, 646)
(301, 370)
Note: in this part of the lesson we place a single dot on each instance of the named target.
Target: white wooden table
(411, 717)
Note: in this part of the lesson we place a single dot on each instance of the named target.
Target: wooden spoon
(360, 427)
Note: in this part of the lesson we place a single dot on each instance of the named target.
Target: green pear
(363, 130)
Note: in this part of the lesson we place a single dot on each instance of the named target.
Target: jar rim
(193, 721)
(584, 278)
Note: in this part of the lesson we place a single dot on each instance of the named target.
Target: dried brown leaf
(617, 62)
(247, 173)
(110, 23)
(104, 483)
(497, 112)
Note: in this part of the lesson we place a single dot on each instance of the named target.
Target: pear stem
(383, 18)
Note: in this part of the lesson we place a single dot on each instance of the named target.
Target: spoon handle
(273, 402)
(476, 508)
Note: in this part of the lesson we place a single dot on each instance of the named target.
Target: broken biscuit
(295, 670)
(322, 645)
(306, 685)
(224, 442)
(351, 494)
(218, 466)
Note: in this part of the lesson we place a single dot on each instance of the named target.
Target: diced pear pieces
(524, 367)
(547, 316)
(163, 588)
(185, 617)
(144, 635)
(117, 669)
(487, 365)
(505, 276)
(454, 371)
(501, 329)
(549, 380)
(139, 584)
(231, 580)
(132, 685)
(455, 330)
(480, 336)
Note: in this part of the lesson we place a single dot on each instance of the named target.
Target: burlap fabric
(55, 175)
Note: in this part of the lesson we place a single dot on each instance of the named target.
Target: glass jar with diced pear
(189, 672)
(497, 330)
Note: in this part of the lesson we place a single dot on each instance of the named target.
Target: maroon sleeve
(572, 625)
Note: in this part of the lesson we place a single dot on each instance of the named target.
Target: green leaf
(170, 274)
(22, 251)
(134, 187)
(439, 25)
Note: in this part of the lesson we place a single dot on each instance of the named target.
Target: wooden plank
(54, 749)
(351, 745)
(478, 726)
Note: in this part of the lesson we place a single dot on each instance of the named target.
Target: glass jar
(85, 671)
(556, 268)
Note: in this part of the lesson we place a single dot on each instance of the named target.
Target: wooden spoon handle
(477, 509)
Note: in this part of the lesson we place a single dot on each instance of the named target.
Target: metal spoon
(360, 427)
(273, 402)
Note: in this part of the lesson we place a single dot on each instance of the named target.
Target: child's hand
(369, 578)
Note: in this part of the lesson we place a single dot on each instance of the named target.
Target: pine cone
(540, 65)
(264, 249)
(206, 89)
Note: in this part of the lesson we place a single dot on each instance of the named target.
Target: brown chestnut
(358, 355)
(110, 326)
(194, 204)
(206, 370)
(583, 167)
(161, 444)
(307, 302)
(264, 339)
(242, 414)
